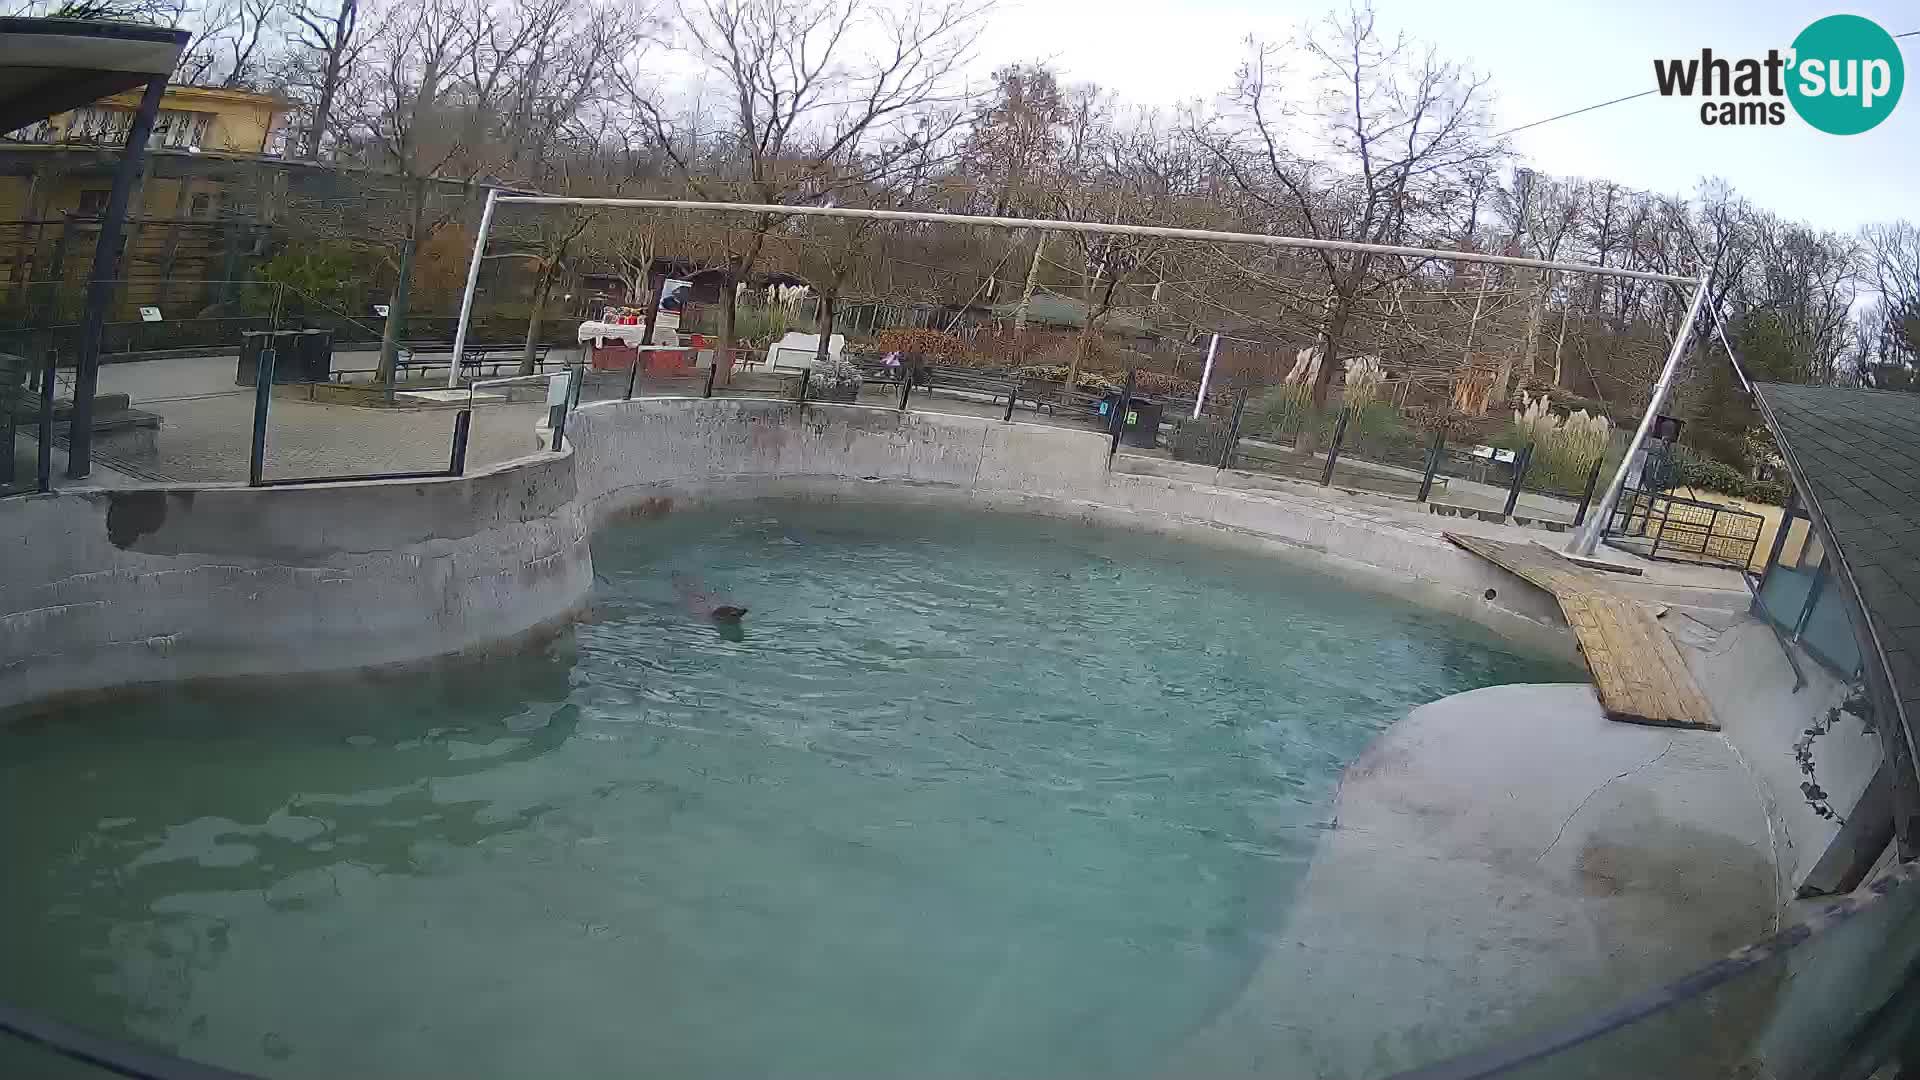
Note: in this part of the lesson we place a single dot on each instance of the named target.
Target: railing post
(806, 375)
(1586, 497)
(1333, 451)
(1233, 431)
(262, 400)
(1119, 419)
(633, 376)
(457, 463)
(1433, 463)
(1520, 462)
(906, 385)
(1666, 514)
(45, 462)
(1012, 389)
(712, 371)
(1713, 518)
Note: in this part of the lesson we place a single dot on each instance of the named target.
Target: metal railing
(1661, 525)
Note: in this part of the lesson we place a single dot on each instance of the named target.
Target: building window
(202, 204)
(172, 129)
(93, 203)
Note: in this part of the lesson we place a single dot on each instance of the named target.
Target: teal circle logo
(1847, 74)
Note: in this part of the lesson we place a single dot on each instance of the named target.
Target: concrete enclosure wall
(104, 589)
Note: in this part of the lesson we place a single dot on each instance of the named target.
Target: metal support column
(473, 281)
(106, 268)
(1333, 450)
(1438, 448)
(1587, 537)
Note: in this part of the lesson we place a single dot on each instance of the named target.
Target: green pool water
(962, 796)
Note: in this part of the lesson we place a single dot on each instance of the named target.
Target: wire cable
(1576, 112)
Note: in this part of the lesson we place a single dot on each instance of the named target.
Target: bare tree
(327, 39)
(802, 105)
(1400, 128)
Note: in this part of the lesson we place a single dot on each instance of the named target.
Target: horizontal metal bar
(122, 1059)
(1161, 231)
(429, 474)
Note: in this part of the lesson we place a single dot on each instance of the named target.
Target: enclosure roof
(1855, 455)
(50, 66)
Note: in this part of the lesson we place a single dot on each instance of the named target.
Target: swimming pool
(961, 795)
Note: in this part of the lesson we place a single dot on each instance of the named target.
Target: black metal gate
(1659, 525)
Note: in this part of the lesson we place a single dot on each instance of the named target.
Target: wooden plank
(1638, 673)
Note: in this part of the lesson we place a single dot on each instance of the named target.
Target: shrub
(915, 341)
(1708, 474)
(836, 376)
(1564, 449)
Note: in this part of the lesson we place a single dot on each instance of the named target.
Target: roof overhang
(50, 66)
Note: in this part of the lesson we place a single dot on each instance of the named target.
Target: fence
(1660, 525)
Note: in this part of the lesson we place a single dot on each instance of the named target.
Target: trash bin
(1141, 426)
(251, 342)
(316, 355)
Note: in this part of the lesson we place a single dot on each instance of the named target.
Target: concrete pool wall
(103, 589)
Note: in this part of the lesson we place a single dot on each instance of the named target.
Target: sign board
(149, 314)
(557, 389)
(674, 293)
(381, 310)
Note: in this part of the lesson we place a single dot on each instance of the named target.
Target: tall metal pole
(473, 282)
(106, 267)
(1587, 538)
(1206, 376)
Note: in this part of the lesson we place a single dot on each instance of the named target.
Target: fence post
(457, 463)
(262, 400)
(713, 369)
(1433, 463)
(806, 374)
(906, 386)
(1119, 419)
(1520, 462)
(1586, 497)
(1012, 389)
(1233, 431)
(45, 462)
(1666, 514)
(633, 375)
(1333, 451)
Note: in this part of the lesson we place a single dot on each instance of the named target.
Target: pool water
(959, 796)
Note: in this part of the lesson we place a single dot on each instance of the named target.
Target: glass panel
(1784, 595)
(1828, 634)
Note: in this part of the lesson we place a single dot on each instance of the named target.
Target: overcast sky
(1545, 57)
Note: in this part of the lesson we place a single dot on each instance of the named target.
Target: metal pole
(1433, 463)
(106, 267)
(1333, 452)
(633, 373)
(712, 370)
(1520, 462)
(1012, 388)
(1119, 423)
(906, 385)
(1112, 228)
(806, 376)
(262, 401)
(473, 282)
(45, 463)
(1587, 537)
(1206, 376)
(1586, 497)
(462, 423)
(1233, 431)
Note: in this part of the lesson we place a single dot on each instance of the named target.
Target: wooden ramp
(1640, 675)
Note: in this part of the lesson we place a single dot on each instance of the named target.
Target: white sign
(381, 310)
(149, 314)
(674, 293)
(557, 389)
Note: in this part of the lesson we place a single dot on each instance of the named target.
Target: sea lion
(704, 604)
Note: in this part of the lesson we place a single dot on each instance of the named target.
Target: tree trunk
(653, 307)
(1026, 294)
(823, 328)
(329, 81)
(729, 305)
(540, 291)
(1330, 338)
(402, 289)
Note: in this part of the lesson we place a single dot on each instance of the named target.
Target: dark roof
(1856, 455)
(50, 66)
